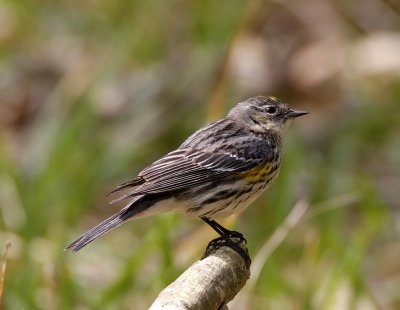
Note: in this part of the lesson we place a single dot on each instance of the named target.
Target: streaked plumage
(217, 171)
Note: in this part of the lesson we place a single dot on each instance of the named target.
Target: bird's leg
(223, 232)
(226, 239)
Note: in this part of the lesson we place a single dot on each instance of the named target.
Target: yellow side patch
(258, 173)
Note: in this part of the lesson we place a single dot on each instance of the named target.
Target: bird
(219, 170)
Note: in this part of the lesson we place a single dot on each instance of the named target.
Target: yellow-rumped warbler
(219, 170)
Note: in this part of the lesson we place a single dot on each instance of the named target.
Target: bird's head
(264, 113)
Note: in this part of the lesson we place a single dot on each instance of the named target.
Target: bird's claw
(231, 242)
(237, 235)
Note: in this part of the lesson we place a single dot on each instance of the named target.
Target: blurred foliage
(92, 91)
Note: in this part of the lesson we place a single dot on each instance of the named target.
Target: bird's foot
(232, 234)
(234, 241)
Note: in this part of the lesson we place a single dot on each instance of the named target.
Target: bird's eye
(271, 110)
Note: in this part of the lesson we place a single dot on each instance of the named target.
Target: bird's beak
(293, 113)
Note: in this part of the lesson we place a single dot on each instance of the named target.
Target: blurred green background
(92, 91)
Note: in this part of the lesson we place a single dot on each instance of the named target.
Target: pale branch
(209, 283)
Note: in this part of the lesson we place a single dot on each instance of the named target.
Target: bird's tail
(135, 207)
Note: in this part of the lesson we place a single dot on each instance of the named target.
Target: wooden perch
(209, 283)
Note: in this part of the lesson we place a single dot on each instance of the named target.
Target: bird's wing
(182, 168)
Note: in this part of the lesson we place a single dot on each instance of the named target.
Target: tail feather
(135, 207)
(97, 231)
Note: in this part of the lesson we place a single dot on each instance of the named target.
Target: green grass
(95, 91)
